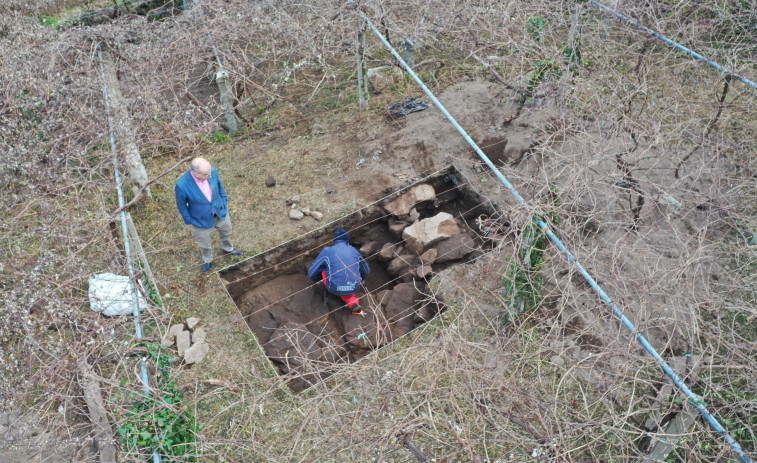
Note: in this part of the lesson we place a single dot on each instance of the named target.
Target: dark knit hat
(341, 235)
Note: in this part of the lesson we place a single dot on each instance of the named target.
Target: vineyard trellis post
(362, 81)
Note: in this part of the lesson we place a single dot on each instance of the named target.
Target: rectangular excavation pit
(308, 333)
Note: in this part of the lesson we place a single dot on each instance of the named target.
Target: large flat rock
(428, 232)
(401, 206)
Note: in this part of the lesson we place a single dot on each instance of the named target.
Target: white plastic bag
(111, 294)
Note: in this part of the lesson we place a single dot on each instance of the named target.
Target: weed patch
(161, 422)
(522, 279)
(220, 137)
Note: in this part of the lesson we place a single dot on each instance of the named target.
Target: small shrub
(522, 279)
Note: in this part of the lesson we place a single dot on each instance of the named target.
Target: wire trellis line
(695, 400)
(675, 44)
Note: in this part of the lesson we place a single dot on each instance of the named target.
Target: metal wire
(674, 44)
(695, 400)
(125, 232)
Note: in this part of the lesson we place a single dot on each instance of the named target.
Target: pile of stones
(303, 335)
(297, 212)
(190, 342)
(424, 243)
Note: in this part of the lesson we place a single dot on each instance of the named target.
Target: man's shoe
(357, 310)
(235, 252)
(205, 267)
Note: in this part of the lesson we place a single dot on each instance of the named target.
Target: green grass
(49, 21)
(221, 137)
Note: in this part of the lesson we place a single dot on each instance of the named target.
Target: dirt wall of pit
(406, 239)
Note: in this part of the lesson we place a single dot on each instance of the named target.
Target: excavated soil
(623, 211)
(307, 332)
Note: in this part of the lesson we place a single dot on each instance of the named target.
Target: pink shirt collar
(204, 186)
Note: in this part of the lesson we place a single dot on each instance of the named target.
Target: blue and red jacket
(344, 266)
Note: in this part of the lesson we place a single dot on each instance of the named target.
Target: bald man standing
(203, 205)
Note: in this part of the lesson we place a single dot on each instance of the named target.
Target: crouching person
(342, 269)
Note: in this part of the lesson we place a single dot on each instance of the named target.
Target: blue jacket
(194, 207)
(344, 265)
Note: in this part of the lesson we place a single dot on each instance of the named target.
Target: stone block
(432, 230)
(401, 206)
(198, 335)
(182, 342)
(192, 322)
(196, 353)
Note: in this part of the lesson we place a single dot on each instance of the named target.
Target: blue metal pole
(125, 232)
(674, 44)
(695, 400)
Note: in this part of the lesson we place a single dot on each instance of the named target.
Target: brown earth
(630, 255)
(648, 260)
(305, 330)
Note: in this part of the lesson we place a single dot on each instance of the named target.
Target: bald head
(200, 167)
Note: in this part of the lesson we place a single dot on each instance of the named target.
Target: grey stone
(199, 335)
(182, 342)
(400, 264)
(196, 353)
(305, 210)
(429, 256)
(369, 248)
(169, 338)
(423, 271)
(432, 230)
(402, 205)
(176, 329)
(454, 248)
(294, 214)
(377, 79)
(192, 322)
(270, 182)
(316, 215)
